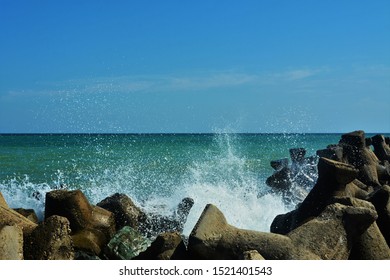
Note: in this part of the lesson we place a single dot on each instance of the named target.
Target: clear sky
(194, 66)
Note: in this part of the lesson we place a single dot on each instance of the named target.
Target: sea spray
(223, 179)
(22, 193)
(156, 171)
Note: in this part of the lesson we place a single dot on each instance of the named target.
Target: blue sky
(194, 66)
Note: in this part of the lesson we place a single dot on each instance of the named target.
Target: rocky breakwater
(349, 173)
(73, 228)
(345, 215)
(293, 180)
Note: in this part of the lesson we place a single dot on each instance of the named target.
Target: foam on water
(221, 177)
(22, 193)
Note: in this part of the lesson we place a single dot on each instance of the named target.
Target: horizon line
(177, 133)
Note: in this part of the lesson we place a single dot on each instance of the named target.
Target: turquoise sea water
(155, 170)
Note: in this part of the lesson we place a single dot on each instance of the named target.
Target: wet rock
(11, 243)
(356, 153)
(281, 180)
(92, 226)
(28, 213)
(356, 189)
(127, 244)
(334, 152)
(167, 245)
(89, 240)
(51, 240)
(371, 245)
(252, 255)
(9, 217)
(328, 236)
(82, 255)
(381, 200)
(333, 176)
(297, 155)
(279, 163)
(331, 235)
(213, 238)
(125, 211)
(293, 181)
(381, 149)
(156, 224)
(2, 201)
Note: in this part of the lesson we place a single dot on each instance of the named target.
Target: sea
(156, 171)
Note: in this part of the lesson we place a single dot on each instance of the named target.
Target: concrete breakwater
(345, 214)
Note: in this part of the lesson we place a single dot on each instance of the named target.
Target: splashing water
(156, 171)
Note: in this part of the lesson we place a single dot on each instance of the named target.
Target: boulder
(356, 153)
(334, 152)
(371, 245)
(126, 244)
(213, 238)
(381, 149)
(11, 243)
(252, 255)
(51, 240)
(125, 211)
(331, 235)
(333, 176)
(89, 240)
(28, 213)
(356, 189)
(167, 245)
(70, 204)
(153, 225)
(279, 163)
(281, 180)
(92, 226)
(9, 217)
(297, 155)
(2, 201)
(82, 255)
(328, 236)
(381, 200)
(293, 181)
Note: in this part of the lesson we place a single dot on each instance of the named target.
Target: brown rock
(70, 204)
(381, 149)
(252, 255)
(213, 238)
(50, 241)
(333, 176)
(28, 213)
(125, 211)
(371, 245)
(356, 153)
(9, 217)
(89, 240)
(328, 236)
(381, 199)
(11, 243)
(91, 225)
(2, 201)
(353, 189)
(167, 245)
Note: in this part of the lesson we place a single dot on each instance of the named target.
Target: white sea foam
(223, 180)
(220, 177)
